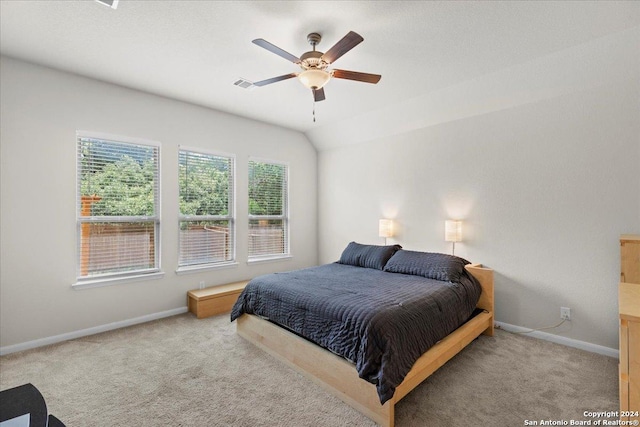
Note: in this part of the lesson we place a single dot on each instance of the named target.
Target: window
(206, 209)
(268, 210)
(117, 207)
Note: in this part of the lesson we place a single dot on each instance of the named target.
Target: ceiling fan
(314, 64)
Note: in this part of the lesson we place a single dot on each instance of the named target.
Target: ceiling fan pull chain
(314, 111)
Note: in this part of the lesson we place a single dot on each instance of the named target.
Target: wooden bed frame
(339, 376)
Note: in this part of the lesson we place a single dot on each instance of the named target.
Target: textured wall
(544, 187)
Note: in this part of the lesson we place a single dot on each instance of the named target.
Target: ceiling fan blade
(275, 49)
(274, 79)
(318, 94)
(347, 43)
(354, 75)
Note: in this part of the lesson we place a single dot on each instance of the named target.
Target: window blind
(268, 210)
(206, 194)
(117, 207)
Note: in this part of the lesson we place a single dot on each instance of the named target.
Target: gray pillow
(368, 256)
(448, 268)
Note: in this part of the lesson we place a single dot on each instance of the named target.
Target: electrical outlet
(202, 285)
(565, 313)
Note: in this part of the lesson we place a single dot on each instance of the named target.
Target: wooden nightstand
(214, 300)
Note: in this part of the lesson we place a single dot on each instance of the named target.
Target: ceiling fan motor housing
(312, 60)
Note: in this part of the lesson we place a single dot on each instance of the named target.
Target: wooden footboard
(332, 372)
(339, 377)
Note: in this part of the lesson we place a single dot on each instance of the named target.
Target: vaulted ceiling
(194, 50)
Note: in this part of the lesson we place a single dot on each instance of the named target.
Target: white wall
(41, 109)
(545, 187)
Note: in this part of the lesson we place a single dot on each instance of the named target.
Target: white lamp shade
(314, 79)
(452, 231)
(385, 228)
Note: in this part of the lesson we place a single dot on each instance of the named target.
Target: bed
(372, 326)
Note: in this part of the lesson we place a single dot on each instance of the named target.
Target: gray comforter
(380, 321)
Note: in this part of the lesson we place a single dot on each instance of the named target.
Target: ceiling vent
(113, 4)
(244, 83)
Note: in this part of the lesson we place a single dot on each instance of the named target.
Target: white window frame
(285, 217)
(231, 217)
(107, 279)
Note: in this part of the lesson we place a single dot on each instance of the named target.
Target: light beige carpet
(181, 371)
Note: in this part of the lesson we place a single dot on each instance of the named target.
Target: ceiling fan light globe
(314, 79)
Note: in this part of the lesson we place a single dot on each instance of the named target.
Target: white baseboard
(89, 331)
(570, 342)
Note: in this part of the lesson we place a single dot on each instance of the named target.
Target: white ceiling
(194, 50)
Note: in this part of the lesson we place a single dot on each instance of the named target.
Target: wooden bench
(214, 300)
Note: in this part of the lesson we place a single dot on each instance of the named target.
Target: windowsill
(98, 283)
(271, 258)
(205, 267)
